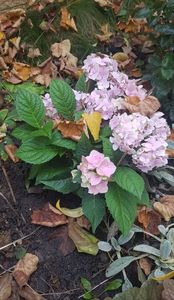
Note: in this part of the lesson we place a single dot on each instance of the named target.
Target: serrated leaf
(122, 206)
(118, 265)
(58, 140)
(144, 199)
(81, 85)
(94, 209)
(147, 249)
(37, 152)
(93, 122)
(63, 98)
(3, 115)
(30, 108)
(23, 132)
(130, 181)
(64, 186)
(83, 148)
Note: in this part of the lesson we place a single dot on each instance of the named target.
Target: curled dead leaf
(146, 107)
(11, 151)
(168, 292)
(73, 212)
(134, 25)
(22, 71)
(61, 49)
(145, 265)
(66, 20)
(149, 219)
(47, 217)
(165, 207)
(10, 77)
(5, 286)
(32, 53)
(106, 34)
(24, 268)
(70, 129)
(28, 293)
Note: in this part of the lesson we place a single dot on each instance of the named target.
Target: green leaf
(20, 252)
(86, 284)
(58, 140)
(144, 199)
(113, 285)
(57, 168)
(122, 206)
(63, 98)
(167, 73)
(64, 186)
(81, 85)
(109, 152)
(84, 147)
(36, 151)
(94, 209)
(151, 290)
(30, 108)
(129, 180)
(3, 115)
(23, 132)
(166, 29)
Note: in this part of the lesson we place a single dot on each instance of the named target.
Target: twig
(61, 293)
(8, 182)
(20, 239)
(8, 203)
(95, 287)
(6, 270)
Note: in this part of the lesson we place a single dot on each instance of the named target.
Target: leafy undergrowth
(91, 130)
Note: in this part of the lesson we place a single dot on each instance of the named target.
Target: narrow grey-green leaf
(63, 98)
(30, 108)
(118, 265)
(147, 249)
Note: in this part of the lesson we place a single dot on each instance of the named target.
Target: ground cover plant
(80, 116)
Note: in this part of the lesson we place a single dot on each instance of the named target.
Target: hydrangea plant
(102, 160)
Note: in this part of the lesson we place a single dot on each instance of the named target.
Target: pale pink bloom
(50, 110)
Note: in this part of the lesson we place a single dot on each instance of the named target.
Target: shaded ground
(55, 273)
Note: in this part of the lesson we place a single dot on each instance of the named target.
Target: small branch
(95, 287)
(8, 182)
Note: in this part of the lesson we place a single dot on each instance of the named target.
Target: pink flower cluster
(51, 112)
(96, 170)
(142, 137)
(111, 87)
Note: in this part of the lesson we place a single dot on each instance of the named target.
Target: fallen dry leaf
(66, 20)
(168, 292)
(120, 57)
(136, 73)
(10, 149)
(47, 217)
(15, 291)
(62, 241)
(93, 121)
(22, 71)
(134, 25)
(28, 293)
(165, 207)
(24, 268)
(106, 34)
(149, 219)
(83, 222)
(73, 212)
(10, 77)
(61, 49)
(146, 107)
(32, 53)
(145, 265)
(84, 241)
(103, 3)
(5, 286)
(16, 42)
(70, 129)
(5, 239)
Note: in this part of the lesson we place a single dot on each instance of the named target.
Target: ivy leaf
(30, 108)
(94, 209)
(64, 186)
(130, 181)
(37, 151)
(122, 206)
(63, 98)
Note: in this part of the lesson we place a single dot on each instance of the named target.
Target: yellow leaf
(66, 20)
(73, 213)
(93, 122)
(84, 241)
(164, 277)
(2, 35)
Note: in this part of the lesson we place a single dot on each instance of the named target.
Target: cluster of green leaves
(53, 157)
(160, 67)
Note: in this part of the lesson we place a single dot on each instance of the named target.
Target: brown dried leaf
(149, 219)
(5, 238)
(10, 77)
(134, 25)
(33, 52)
(106, 33)
(16, 42)
(11, 151)
(61, 49)
(22, 71)
(62, 241)
(146, 107)
(165, 207)
(44, 79)
(28, 293)
(47, 217)
(5, 286)
(83, 222)
(24, 268)
(145, 265)
(168, 292)
(66, 20)
(3, 65)
(103, 3)
(70, 129)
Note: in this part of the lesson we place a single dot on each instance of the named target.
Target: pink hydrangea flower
(96, 170)
(51, 112)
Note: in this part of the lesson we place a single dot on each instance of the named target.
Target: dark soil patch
(55, 273)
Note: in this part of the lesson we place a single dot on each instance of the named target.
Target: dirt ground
(56, 275)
